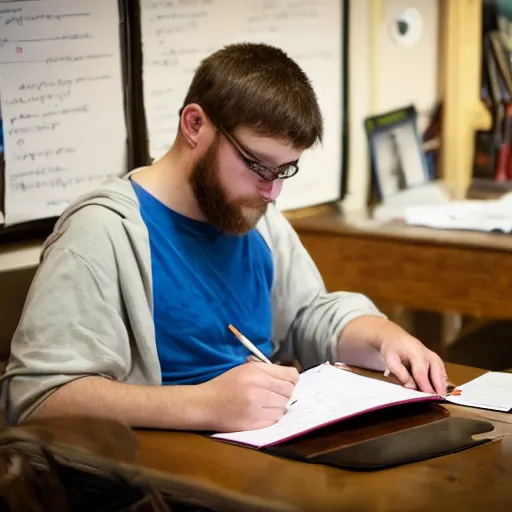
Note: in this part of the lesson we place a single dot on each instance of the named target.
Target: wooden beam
(463, 110)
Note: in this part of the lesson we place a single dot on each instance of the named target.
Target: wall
(385, 75)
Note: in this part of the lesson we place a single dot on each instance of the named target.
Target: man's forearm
(169, 407)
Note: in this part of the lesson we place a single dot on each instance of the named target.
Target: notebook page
(493, 390)
(324, 395)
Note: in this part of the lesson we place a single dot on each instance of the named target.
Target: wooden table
(419, 268)
(475, 479)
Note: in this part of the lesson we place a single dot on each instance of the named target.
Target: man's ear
(193, 124)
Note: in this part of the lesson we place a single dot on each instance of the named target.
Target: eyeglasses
(267, 173)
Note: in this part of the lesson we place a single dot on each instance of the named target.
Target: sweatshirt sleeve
(307, 321)
(71, 327)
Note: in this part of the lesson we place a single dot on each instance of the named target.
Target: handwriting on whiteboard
(61, 101)
(177, 34)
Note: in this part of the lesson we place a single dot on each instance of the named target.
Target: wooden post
(463, 110)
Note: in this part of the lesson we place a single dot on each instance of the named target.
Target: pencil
(248, 345)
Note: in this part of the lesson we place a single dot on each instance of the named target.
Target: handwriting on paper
(62, 103)
(324, 395)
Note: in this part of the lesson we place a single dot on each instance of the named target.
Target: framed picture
(398, 160)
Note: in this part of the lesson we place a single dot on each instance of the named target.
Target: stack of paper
(491, 215)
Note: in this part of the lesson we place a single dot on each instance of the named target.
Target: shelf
(19, 256)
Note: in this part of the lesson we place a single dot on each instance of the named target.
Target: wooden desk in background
(475, 479)
(428, 269)
(419, 268)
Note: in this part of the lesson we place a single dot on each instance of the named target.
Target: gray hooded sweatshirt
(89, 310)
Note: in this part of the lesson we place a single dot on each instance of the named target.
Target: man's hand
(248, 397)
(413, 364)
(377, 343)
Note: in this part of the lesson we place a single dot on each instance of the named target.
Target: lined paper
(177, 35)
(61, 93)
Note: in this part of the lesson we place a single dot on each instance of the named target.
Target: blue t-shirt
(204, 280)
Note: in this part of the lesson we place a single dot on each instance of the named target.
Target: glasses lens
(267, 174)
(288, 172)
(270, 175)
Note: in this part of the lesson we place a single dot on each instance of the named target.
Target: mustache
(259, 202)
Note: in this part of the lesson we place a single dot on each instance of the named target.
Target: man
(140, 279)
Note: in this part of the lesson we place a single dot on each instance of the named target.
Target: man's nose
(273, 189)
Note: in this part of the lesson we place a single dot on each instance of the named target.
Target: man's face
(232, 197)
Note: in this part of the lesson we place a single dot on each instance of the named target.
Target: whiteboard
(62, 102)
(177, 34)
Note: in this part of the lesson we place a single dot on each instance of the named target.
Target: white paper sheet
(493, 390)
(326, 394)
(177, 35)
(61, 93)
(470, 214)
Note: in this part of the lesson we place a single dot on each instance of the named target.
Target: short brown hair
(258, 86)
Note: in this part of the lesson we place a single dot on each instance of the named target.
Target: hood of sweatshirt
(116, 194)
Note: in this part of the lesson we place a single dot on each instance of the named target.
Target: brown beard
(227, 216)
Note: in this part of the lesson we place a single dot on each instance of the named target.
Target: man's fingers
(280, 380)
(420, 372)
(280, 387)
(438, 376)
(276, 401)
(285, 373)
(397, 368)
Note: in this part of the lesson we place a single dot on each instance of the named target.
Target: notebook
(327, 394)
